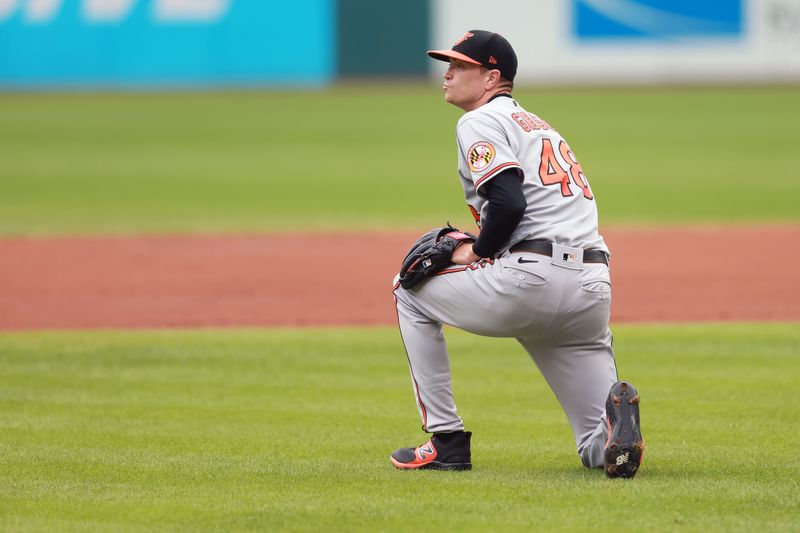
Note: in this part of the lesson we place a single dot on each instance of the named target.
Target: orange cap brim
(447, 55)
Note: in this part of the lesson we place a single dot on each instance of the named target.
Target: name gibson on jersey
(530, 122)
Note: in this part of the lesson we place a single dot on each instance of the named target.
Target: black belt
(546, 248)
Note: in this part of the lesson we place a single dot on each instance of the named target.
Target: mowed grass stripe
(378, 156)
(291, 430)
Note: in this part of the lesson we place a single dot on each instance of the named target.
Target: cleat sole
(625, 446)
(432, 465)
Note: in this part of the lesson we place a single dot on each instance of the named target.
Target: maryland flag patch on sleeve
(480, 155)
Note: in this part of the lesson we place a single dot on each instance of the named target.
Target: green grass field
(377, 156)
(291, 430)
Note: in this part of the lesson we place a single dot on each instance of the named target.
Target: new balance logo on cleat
(625, 446)
(424, 451)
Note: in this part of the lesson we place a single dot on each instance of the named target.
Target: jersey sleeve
(484, 150)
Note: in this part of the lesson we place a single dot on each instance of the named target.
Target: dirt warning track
(659, 275)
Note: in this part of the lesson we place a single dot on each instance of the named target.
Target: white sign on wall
(635, 41)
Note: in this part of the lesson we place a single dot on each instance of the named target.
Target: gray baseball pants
(558, 310)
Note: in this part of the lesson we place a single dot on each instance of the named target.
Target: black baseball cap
(485, 48)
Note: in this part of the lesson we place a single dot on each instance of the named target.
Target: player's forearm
(504, 211)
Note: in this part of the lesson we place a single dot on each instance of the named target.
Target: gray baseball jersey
(501, 135)
(557, 306)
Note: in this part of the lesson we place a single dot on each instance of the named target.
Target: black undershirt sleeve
(506, 207)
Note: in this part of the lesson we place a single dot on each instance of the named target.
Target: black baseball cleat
(445, 451)
(625, 446)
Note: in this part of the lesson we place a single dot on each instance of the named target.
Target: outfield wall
(176, 43)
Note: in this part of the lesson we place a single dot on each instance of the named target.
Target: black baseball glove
(431, 253)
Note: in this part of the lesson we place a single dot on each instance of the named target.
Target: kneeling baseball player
(537, 272)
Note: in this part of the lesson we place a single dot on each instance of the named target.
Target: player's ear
(494, 79)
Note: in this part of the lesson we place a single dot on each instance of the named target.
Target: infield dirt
(725, 273)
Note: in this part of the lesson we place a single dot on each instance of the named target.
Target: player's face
(464, 84)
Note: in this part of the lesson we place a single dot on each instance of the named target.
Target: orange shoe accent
(424, 454)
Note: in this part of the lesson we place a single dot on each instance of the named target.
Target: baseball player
(538, 272)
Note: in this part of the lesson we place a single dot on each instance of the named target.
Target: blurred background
(234, 43)
(140, 116)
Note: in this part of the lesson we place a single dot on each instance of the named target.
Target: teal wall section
(90, 45)
(383, 38)
(246, 42)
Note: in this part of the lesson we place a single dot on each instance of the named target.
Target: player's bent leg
(453, 298)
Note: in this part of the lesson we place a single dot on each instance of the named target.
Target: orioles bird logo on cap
(464, 38)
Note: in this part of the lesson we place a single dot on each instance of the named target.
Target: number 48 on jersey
(552, 173)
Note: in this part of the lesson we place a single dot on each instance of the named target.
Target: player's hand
(463, 254)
